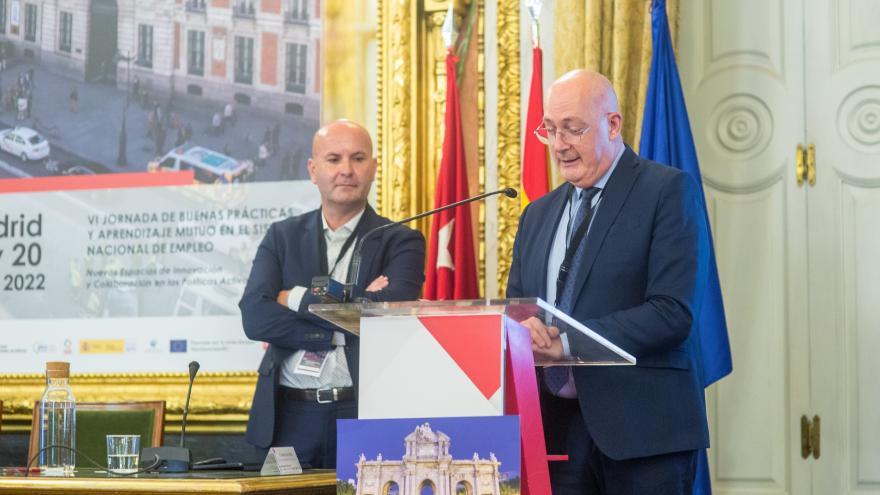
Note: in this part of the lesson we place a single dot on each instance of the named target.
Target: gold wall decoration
(349, 31)
(508, 130)
(220, 401)
(397, 129)
(480, 61)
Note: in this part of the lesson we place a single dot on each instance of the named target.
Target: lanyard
(322, 249)
(576, 239)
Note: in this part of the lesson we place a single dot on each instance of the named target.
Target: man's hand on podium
(546, 343)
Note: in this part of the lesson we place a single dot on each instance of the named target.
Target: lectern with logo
(461, 358)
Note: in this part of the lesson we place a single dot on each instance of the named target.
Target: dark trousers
(590, 472)
(310, 428)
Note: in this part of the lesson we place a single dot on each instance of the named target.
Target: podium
(462, 358)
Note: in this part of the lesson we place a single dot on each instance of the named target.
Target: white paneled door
(842, 120)
(742, 68)
(799, 262)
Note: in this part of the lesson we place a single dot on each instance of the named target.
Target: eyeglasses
(570, 136)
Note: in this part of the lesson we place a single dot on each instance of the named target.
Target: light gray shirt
(557, 253)
(560, 241)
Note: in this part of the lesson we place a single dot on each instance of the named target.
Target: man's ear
(311, 166)
(615, 125)
(375, 168)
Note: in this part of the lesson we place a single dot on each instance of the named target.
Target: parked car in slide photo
(208, 166)
(24, 143)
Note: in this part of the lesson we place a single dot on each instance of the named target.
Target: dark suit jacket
(641, 287)
(288, 256)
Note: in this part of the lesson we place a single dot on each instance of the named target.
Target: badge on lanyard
(311, 363)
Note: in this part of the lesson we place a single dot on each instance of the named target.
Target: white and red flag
(451, 271)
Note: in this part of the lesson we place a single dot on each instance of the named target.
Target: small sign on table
(281, 460)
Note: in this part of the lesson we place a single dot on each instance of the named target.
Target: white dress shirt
(335, 372)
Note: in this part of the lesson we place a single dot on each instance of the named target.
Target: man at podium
(627, 250)
(308, 376)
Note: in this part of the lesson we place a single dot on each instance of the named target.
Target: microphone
(356, 256)
(175, 459)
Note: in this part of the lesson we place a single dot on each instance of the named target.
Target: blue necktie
(556, 377)
(584, 214)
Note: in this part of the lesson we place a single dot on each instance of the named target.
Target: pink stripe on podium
(521, 394)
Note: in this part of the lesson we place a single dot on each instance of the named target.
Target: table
(91, 482)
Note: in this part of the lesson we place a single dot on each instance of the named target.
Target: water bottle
(57, 421)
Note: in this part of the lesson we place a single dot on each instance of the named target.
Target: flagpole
(534, 9)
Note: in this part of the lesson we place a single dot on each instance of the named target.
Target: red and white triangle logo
(472, 342)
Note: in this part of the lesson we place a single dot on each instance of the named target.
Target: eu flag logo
(178, 345)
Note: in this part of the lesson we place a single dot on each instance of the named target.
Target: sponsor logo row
(122, 346)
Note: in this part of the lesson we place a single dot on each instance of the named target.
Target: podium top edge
(384, 308)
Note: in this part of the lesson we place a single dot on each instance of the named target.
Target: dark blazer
(641, 287)
(288, 256)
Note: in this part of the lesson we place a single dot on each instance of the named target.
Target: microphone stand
(175, 459)
(356, 257)
(193, 369)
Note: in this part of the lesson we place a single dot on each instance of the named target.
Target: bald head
(583, 122)
(592, 91)
(343, 168)
(337, 129)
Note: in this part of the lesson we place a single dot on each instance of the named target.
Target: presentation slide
(145, 148)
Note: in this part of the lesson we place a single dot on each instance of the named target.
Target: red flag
(451, 271)
(535, 169)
